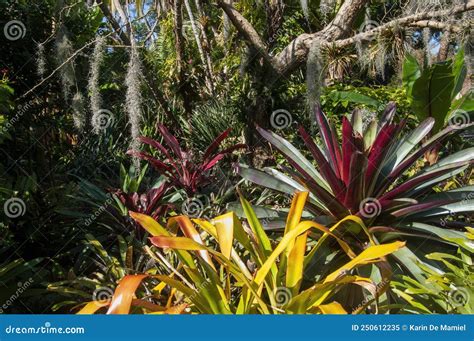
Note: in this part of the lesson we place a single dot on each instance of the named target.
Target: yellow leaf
(296, 250)
(189, 231)
(158, 288)
(149, 224)
(123, 295)
(296, 210)
(369, 255)
(294, 266)
(179, 243)
(332, 308)
(175, 310)
(285, 241)
(92, 307)
(225, 232)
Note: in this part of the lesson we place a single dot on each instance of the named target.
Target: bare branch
(296, 52)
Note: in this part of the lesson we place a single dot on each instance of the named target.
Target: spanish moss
(40, 61)
(64, 51)
(78, 111)
(314, 75)
(133, 99)
(93, 83)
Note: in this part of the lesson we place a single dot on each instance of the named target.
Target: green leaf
(353, 97)
(432, 93)
(263, 179)
(449, 235)
(411, 72)
(459, 72)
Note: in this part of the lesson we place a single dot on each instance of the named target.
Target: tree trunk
(205, 60)
(184, 88)
(444, 46)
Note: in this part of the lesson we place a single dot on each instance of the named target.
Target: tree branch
(436, 25)
(344, 19)
(296, 52)
(405, 21)
(115, 25)
(245, 28)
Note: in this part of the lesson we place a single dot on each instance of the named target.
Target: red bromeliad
(150, 203)
(181, 168)
(364, 177)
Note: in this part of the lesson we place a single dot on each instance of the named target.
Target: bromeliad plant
(111, 263)
(450, 291)
(150, 203)
(368, 176)
(226, 268)
(181, 167)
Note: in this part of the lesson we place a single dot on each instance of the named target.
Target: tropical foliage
(363, 177)
(270, 279)
(236, 157)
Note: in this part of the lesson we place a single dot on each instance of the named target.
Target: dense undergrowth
(190, 179)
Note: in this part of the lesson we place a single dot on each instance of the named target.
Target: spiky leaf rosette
(181, 168)
(366, 175)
